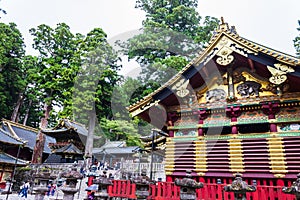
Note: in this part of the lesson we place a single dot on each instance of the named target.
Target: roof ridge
(230, 32)
(18, 159)
(9, 135)
(77, 123)
(20, 125)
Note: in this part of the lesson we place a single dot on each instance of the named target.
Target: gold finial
(222, 20)
(225, 27)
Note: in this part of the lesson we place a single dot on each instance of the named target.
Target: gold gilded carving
(181, 88)
(145, 107)
(279, 73)
(284, 68)
(224, 56)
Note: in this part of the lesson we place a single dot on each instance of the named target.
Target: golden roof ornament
(224, 27)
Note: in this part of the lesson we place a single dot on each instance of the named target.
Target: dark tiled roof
(112, 144)
(5, 158)
(78, 127)
(67, 129)
(116, 150)
(66, 125)
(69, 149)
(53, 158)
(29, 136)
(5, 137)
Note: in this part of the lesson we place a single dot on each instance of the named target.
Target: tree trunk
(40, 139)
(27, 112)
(17, 108)
(90, 138)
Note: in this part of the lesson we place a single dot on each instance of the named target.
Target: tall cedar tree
(94, 84)
(11, 69)
(58, 65)
(172, 35)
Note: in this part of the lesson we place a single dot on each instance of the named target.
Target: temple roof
(8, 159)
(115, 150)
(114, 147)
(225, 41)
(6, 138)
(66, 130)
(69, 149)
(113, 144)
(26, 134)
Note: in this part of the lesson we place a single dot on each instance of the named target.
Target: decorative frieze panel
(289, 127)
(288, 115)
(217, 119)
(254, 116)
(190, 133)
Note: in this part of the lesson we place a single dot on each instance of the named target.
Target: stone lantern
(71, 178)
(239, 188)
(41, 180)
(142, 183)
(92, 175)
(188, 186)
(103, 182)
(294, 189)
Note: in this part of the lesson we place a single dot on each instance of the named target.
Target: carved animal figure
(215, 95)
(249, 88)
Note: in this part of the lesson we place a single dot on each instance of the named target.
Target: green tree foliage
(121, 130)
(126, 93)
(96, 78)
(11, 69)
(30, 110)
(58, 62)
(173, 32)
(297, 41)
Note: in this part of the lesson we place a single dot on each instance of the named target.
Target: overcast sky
(272, 23)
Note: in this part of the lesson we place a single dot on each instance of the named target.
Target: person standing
(24, 190)
(51, 189)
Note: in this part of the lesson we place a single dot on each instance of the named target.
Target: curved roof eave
(245, 43)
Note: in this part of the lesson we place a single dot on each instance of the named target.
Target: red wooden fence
(210, 191)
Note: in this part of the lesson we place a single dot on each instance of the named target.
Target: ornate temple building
(70, 141)
(7, 161)
(235, 108)
(28, 136)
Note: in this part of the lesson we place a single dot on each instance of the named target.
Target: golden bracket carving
(181, 88)
(279, 73)
(224, 56)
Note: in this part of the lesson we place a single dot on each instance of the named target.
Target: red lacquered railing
(169, 191)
